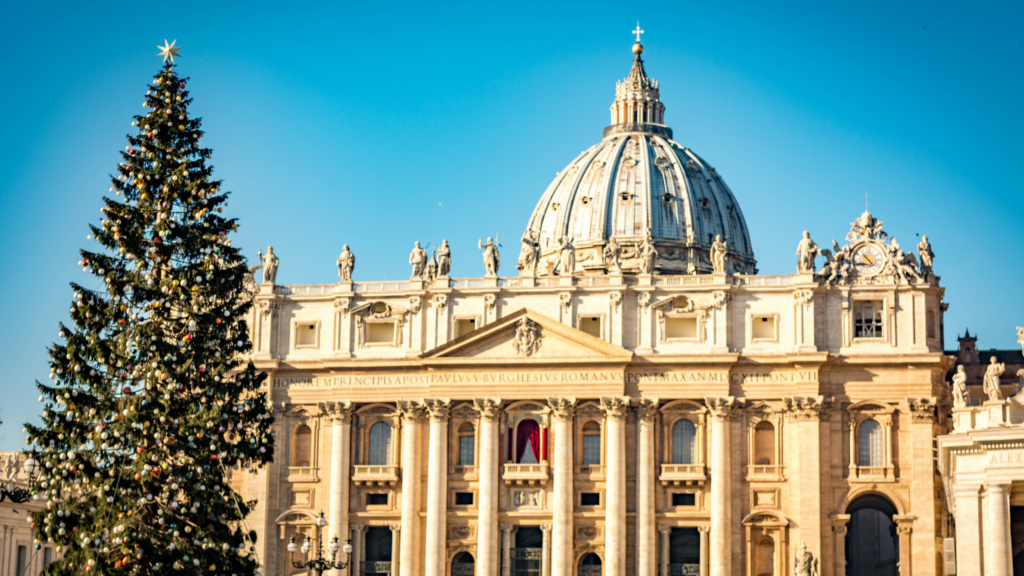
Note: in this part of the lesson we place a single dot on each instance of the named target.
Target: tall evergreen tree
(152, 405)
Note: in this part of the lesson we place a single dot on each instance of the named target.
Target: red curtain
(528, 430)
(544, 445)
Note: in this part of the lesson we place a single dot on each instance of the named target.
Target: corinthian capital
(342, 411)
(412, 410)
(922, 409)
(615, 406)
(808, 407)
(722, 408)
(562, 408)
(489, 408)
(437, 408)
(646, 408)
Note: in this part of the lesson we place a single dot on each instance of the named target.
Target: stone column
(545, 561)
(561, 546)
(437, 487)
(997, 545)
(341, 431)
(721, 413)
(646, 415)
(615, 484)
(839, 522)
(807, 412)
(412, 418)
(704, 531)
(665, 531)
(506, 550)
(487, 556)
(396, 548)
(357, 547)
(968, 530)
(922, 493)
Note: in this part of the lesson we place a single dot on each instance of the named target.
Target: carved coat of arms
(527, 339)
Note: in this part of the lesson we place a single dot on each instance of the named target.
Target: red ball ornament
(126, 390)
(182, 85)
(139, 450)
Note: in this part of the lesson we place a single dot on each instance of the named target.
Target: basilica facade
(634, 398)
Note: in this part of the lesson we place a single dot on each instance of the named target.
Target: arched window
(467, 445)
(590, 565)
(379, 453)
(764, 444)
(528, 442)
(870, 444)
(463, 564)
(303, 446)
(684, 442)
(591, 444)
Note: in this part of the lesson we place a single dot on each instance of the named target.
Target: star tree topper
(169, 50)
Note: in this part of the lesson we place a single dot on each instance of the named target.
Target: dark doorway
(377, 560)
(1017, 538)
(590, 565)
(872, 545)
(463, 564)
(528, 551)
(684, 551)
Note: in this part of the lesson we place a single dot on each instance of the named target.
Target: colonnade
(559, 558)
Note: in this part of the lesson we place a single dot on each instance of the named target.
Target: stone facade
(18, 553)
(591, 417)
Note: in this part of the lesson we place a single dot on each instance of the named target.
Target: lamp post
(319, 564)
(14, 493)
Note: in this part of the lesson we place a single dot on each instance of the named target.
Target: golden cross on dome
(638, 31)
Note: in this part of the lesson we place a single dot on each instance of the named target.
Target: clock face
(868, 260)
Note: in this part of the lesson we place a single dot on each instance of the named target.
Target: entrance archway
(463, 564)
(590, 565)
(872, 545)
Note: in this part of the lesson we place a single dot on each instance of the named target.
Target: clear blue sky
(351, 123)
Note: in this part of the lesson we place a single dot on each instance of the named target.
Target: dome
(638, 181)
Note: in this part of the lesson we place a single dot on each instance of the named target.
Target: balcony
(303, 474)
(764, 472)
(683, 474)
(459, 472)
(374, 568)
(590, 472)
(373, 475)
(872, 474)
(526, 474)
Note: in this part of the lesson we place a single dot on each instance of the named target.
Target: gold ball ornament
(638, 49)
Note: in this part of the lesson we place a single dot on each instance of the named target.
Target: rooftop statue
(492, 260)
(418, 259)
(924, 252)
(528, 255)
(611, 253)
(718, 252)
(867, 227)
(960, 388)
(648, 254)
(991, 380)
(806, 251)
(270, 263)
(444, 259)
(567, 258)
(346, 264)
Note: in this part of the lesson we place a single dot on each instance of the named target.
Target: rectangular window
(591, 450)
(590, 498)
(22, 560)
(683, 499)
(463, 498)
(763, 328)
(464, 326)
(591, 325)
(467, 447)
(867, 319)
(305, 335)
(47, 556)
(681, 328)
(380, 332)
(377, 499)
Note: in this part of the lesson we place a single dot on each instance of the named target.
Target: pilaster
(722, 412)
(615, 484)
(412, 418)
(562, 560)
(437, 487)
(487, 506)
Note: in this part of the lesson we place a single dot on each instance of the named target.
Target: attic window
(624, 195)
(305, 335)
(380, 333)
(667, 196)
(681, 328)
(705, 202)
(585, 200)
(591, 325)
(464, 326)
(763, 328)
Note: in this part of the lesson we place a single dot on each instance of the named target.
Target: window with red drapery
(528, 431)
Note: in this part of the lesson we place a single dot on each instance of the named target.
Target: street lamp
(15, 493)
(319, 564)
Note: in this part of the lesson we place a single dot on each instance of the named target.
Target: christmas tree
(152, 406)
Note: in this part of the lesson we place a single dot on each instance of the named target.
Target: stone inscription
(762, 377)
(448, 379)
(1014, 458)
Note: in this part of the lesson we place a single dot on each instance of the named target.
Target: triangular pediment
(527, 336)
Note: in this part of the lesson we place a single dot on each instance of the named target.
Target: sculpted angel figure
(991, 380)
(805, 564)
(611, 253)
(528, 254)
(718, 250)
(249, 282)
(418, 259)
(567, 261)
(905, 264)
(806, 251)
(270, 263)
(492, 260)
(346, 264)
(648, 255)
(444, 259)
(960, 388)
(924, 252)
